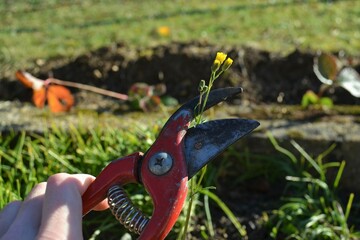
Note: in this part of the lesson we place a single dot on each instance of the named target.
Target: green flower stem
(202, 104)
(188, 212)
(216, 70)
(195, 187)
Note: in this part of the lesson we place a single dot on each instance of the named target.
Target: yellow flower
(227, 64)
(215, 66)
(220, 56)
(163, 31)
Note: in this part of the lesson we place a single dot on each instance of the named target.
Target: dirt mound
(266, 77)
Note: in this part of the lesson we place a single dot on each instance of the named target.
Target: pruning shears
(178, 153)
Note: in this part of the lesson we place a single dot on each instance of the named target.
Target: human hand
(52, 210)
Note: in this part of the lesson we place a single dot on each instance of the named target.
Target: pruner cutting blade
(207, 140)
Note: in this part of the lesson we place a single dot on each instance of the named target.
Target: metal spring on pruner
(124, 210)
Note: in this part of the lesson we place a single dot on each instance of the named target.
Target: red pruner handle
(168, 191)
(168, 203)
(120, 171)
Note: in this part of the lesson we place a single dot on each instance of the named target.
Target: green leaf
(169, 101)
(309, 98)
(326, 102)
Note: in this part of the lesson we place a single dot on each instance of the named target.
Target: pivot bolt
(160, 163)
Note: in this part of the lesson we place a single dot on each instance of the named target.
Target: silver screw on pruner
(160, 163)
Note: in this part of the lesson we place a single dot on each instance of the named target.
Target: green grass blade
(281, 149)
(208, 215)
(339, 174)
(227, 211)
(326, 152)
(308, 158)
(348, 206)
(64, 162)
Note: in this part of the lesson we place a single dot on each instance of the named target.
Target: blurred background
(45, 29)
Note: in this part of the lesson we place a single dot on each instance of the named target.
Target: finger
(7, 216)
(103, 205)
(28, 218)
(62, 210)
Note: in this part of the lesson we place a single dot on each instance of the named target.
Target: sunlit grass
(312, 208)
(72, 28)
(26, 159)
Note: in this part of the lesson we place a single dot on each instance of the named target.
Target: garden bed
(273, 88)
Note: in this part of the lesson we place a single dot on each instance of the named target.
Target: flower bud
(226, 64)
(202, 85)
(216, 65)
(205, 88)
(220, 56)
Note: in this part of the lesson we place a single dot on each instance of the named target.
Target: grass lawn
(311, 208)
(44, 29)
